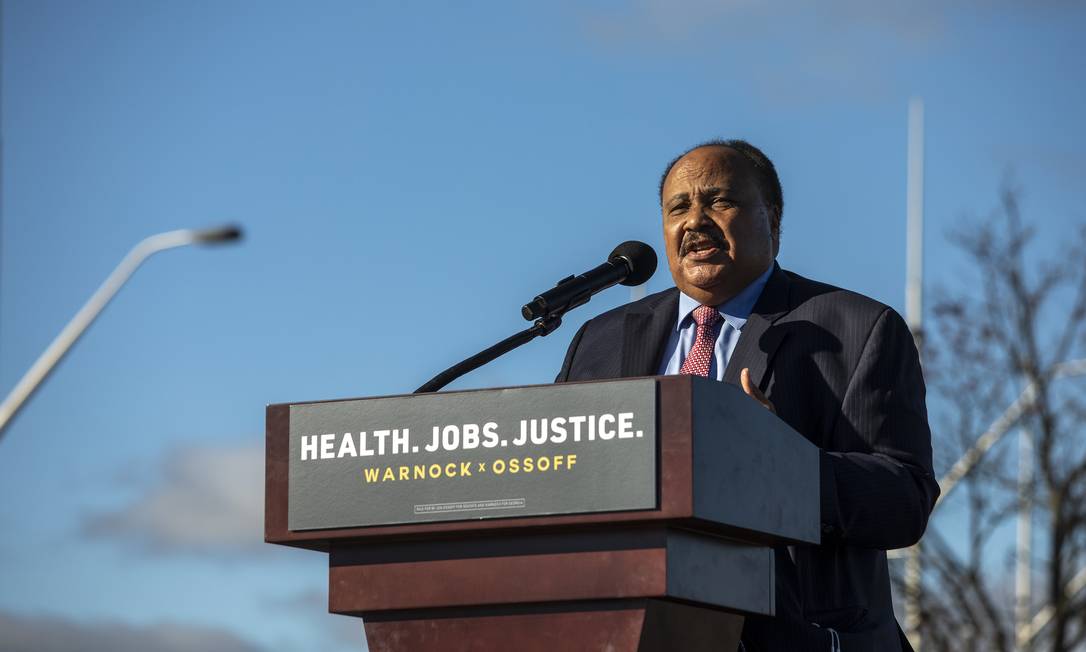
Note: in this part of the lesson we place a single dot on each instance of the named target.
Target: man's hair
(768, 182)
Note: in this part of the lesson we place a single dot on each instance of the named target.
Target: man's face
(719, 232)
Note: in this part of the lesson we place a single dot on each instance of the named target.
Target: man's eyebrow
(674, 198)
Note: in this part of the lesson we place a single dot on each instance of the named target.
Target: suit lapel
(758, 342)
(645, 333)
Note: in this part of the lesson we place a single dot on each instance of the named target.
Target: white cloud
(843, 49)
(642, 22)
(203, 499)
(669, 22)
(54, 634)
(791, 50)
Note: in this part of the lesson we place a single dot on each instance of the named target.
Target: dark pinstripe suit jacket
(842, 370)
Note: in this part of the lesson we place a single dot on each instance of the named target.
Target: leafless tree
(1010, 331)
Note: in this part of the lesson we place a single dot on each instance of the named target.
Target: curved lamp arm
(101, 297)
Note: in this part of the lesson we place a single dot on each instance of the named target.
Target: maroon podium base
(628, 626)
(526, 593)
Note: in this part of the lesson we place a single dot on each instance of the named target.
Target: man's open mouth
(700, 248)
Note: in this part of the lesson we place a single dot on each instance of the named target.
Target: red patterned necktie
(700, 358)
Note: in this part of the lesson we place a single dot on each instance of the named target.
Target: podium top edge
(658, 379)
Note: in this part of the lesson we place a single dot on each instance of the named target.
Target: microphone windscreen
(639, 257)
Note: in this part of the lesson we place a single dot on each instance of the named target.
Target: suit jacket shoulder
(828, 326)
(807, 340)
(815, 297)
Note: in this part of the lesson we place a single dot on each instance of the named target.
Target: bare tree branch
(1008, 333)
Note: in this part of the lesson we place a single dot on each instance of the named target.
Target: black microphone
(631, 263)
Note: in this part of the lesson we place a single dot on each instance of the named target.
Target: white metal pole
(914, 313)
(1023, 576)
(914, 213)
(912, 597)
(87, 314)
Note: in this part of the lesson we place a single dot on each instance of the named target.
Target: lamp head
(218, 234)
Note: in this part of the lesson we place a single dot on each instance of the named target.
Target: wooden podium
(731, 481)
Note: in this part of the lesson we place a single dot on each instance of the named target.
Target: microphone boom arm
(631, 263)
(542, 327)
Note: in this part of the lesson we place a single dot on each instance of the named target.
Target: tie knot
(706, 316)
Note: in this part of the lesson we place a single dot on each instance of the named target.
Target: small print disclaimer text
(471, 506)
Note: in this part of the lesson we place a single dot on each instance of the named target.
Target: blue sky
(408, 175)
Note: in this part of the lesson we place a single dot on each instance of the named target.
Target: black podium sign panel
(558, 449)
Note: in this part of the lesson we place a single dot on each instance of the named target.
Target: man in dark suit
(838, 367)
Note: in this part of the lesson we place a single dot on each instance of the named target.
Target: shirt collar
(735, 311)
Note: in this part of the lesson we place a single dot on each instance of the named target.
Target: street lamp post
(98, 301)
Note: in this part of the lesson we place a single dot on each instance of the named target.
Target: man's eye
(720, 202)
(678, 209)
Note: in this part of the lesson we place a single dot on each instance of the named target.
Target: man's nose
(696, 218)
